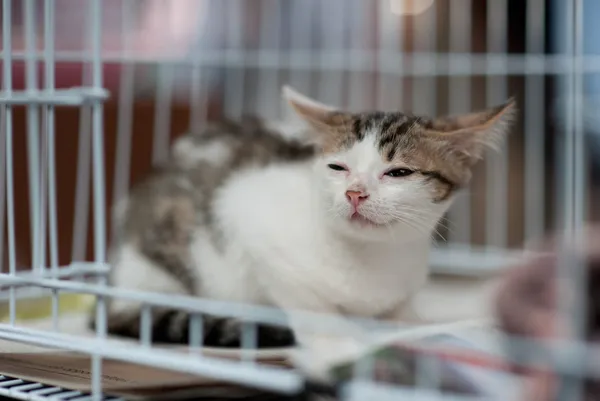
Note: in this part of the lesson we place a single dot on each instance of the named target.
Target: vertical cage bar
(364, 369)
(33, 120)
(125, 117)
(162, 113)
(424, 92)
(575, 172)
(249, 341)
(267, 93)
(429, 375)
(84, 155)
(235, 76)
(82, 186)
(389, 86)
(199, 94)
(146, 326)
(579, 168)
(572, 274)
(198, 104)
(196, 332)
(8, 125)
(49, 38)
(95, 15)
(98, 137)
(300, 43)
(3, 135)
(534, 125)
(331, 22)
(561, 38)
(496, 221)
(459, 101)
(43, 162)
(568, 192)
(359, 80)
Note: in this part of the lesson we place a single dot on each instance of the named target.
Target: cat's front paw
(228, 333)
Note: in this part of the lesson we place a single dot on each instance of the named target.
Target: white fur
(187, 154)
(290, 129)
(137, 272)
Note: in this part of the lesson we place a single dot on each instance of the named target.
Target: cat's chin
(359, 220)
(363, 229)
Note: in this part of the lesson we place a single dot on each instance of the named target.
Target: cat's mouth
(362, 220)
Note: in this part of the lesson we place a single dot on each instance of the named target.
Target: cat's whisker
(416, 224)
(391, 231)
(421, 223)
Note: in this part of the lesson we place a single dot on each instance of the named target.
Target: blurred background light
(410, 7)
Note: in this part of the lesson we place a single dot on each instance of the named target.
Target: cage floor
(445, 298)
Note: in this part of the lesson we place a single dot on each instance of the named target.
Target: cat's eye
(337, 167)
(399, 172)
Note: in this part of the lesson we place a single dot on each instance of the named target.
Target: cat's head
(380, 171)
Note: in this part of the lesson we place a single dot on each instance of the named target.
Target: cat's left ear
(326, 121)
(469, 135)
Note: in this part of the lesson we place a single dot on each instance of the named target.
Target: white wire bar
(49, 40)
(198, 99)
(95, 15)
(424, 90)
(3, 134)
(199, 90)
(82, 185)
(43, 174)
(360, 83)
(196, 333)
(162, 113)
(249, 342)
(390, 37)
(300, 42)
(496, 217)
(534, 127)
(57, 97)
(572, 273)
(367, 390)
(417, 64)
(267, 102)
(256, 376)
(146, 326)
(8, 121)
(125, 115)
(331, 20)
(459, 101)
(235, 76)
(33, 140)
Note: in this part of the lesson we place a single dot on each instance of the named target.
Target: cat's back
(230, 145)
(201, 166)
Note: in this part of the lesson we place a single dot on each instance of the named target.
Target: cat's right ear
(325, 120)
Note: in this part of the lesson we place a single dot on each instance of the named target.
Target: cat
(335, 217)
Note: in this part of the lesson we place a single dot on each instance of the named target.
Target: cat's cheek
(336, 187)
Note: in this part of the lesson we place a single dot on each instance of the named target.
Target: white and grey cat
(338, 220)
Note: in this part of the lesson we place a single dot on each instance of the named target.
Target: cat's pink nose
(356, 197)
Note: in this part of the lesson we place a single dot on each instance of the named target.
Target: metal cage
(93, 93)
